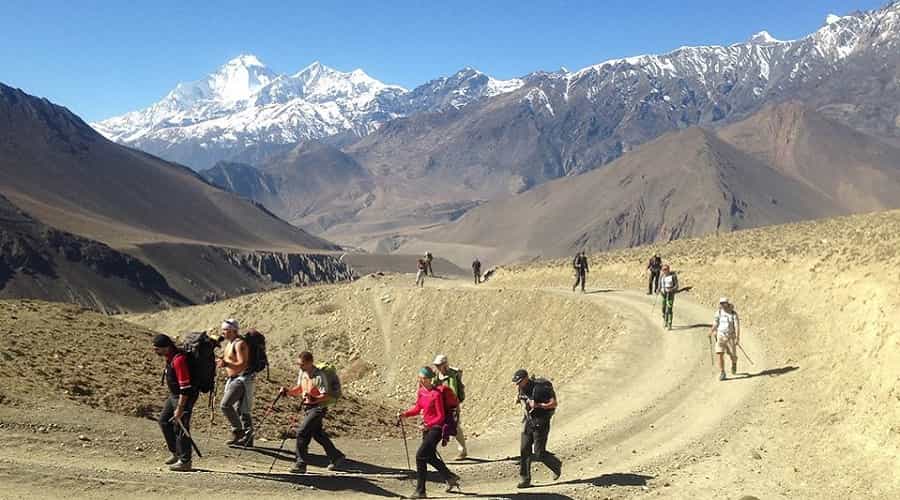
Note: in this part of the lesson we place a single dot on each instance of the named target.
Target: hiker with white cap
(452, 377)
(727, 330)
(237, 401)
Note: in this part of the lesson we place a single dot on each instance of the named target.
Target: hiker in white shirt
(727, 330)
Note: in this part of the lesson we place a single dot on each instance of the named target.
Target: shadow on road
(691, 327)
(476, 460)
(614, 479)
(340, 482)
(603, 290)
(771, 372)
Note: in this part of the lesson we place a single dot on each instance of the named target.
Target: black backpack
(259, 360)
(200, 352)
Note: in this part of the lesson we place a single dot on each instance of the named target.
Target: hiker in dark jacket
(580, 263)
(654, 266)
(179, 404)
(539, 399)
(428, 259)
(433, 403)
(476, 270)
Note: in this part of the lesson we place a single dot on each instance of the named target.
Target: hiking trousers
(237, 403)
(580, 278)
(312, 427)
(668, 307)
(176, 440)
(534, 447)
(427, 454)
(420, 278)
(653, 285)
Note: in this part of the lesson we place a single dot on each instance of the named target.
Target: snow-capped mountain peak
(763, 38)
(239, 78)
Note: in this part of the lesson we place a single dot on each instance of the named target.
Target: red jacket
(433, 405)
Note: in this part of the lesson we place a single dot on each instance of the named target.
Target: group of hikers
(424, 269)
(190, 369)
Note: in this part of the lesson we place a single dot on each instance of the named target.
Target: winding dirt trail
(650, 402)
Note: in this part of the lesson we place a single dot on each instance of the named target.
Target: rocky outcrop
(291, 268)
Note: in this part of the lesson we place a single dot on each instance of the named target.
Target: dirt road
(649, 404)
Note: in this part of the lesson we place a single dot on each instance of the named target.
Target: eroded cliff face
(291, 268)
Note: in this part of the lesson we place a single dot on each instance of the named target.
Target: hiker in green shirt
(452, 377)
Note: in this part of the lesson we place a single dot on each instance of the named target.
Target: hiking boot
(452, 482)
(524, 483)
(180, 466)
(172, 460)
(418, 494)
(236, 437)
(557, 472)
(462, 455)
(298, 469)
(336, 462)
(246, 441)
(722, 376)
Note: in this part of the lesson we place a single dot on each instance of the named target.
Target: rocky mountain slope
(64, 175)
(245, 112)
(786, 163)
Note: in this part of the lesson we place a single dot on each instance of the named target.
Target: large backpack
(544, 387)
(332, 381)
(200, 352)
(259, 360)
(450, 427)
(460, 386)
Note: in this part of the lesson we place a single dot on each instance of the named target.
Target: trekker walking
(727, 330)
(428, 259)
(654, 266)
(476, 270)
(237, 400)
(179, 404)
(432, 402)
(452, 377)
(539, 398)
(668, 287)
(312, 386)
(422, 267)
(580, 263)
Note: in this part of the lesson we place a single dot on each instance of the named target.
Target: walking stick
(405, 446)
(255, 431)
(275, 458)
(712, 354)
(745, 353)
(188, 434)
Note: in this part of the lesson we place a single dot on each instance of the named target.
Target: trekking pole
(255, 431)
(188, 435)
(405, 446)
(275, 458)
(745, 353)
(712, 354)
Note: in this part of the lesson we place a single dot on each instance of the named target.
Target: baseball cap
(723, 300)
(230, 324)
(520, 375)
(439, 359)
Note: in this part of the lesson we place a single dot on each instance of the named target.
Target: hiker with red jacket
(175, 419)
(434, 403)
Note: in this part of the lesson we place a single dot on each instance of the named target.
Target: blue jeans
(237, 402)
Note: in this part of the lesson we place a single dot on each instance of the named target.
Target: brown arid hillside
(641, 414)
(784, 164)
(65, 176)
(821, 299)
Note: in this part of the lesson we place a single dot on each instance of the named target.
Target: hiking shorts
(725, 345)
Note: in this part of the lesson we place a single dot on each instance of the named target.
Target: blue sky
(104, 58)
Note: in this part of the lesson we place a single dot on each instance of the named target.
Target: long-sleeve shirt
(431, 404)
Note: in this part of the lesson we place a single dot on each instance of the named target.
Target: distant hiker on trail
(422, 267)
(313, 387)
(428, 259)
(452, 377)
(668, 287)
(434, 403)
(539, 398)
(580, 263)
(727, 330)
(476, 270)
(654, 266)
(179, 404)
(237, 400)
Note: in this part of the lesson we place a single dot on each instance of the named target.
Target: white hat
(440, 359)
(230, 324)
(723, 300)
